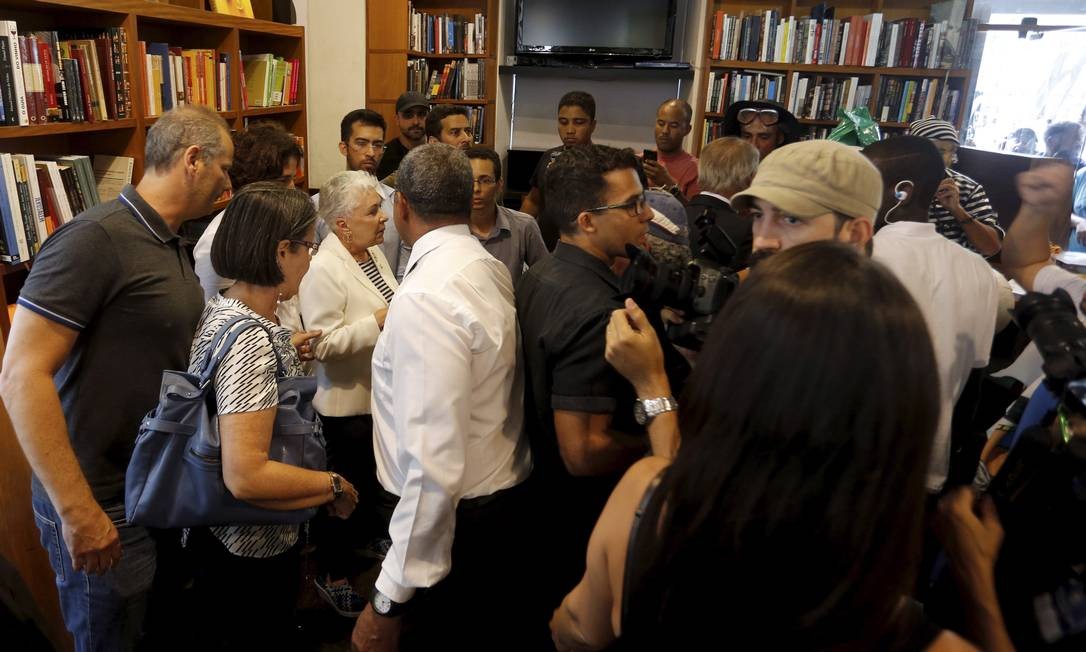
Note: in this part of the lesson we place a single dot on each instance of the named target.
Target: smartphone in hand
(649, 154)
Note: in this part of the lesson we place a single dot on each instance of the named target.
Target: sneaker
(342, 597)
(377, 548)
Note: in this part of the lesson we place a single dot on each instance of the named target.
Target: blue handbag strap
(224, 339)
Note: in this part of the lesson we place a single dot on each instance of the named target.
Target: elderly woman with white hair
(345, 295)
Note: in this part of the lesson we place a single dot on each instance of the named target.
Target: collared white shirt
(958, 296)
(716, 196)
(447, 401)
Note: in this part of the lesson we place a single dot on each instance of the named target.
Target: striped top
(975, 202)
(246, 382)
(369, 268)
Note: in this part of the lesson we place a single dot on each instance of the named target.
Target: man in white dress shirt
(447, 412)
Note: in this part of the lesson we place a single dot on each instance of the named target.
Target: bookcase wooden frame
(891, 9)
(182, 23)
(387, 55)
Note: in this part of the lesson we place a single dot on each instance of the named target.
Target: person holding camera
(770, 529)
(579, 413)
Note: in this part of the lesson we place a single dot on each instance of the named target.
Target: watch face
(639, 413)
(381, 603)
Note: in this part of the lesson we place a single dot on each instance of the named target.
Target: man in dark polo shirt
(579, 412)
(411, 110)
(111, 302)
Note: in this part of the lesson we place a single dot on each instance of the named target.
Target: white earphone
(900, 195)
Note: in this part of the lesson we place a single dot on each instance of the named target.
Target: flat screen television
(641, 29)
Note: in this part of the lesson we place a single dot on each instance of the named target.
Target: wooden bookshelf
(387, 56)
(183, 23)
(891, 10)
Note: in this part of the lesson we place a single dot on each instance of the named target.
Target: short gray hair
(727, 165)
(436, 181)
(341, 194)
(180, 128)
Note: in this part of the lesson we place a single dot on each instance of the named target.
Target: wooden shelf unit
(181, 23)
(387, 40)
(891, 10)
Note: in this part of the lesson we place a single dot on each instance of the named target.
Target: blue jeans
(103, 612)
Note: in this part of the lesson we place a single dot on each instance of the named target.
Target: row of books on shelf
(175, 76)
(476, 122)
(447, 33)
(726, 88)
(855, 41)
(906, 100)
(39, 194)
(817, 98)
(69, 76)
(269, 80)
(455, 80)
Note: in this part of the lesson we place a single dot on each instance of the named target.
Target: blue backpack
(175, 476)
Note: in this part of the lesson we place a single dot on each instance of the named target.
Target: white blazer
(336, 297)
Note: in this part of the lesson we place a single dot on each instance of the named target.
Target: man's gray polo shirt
(119, 277)
(516, 241)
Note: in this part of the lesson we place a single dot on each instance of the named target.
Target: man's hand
(949, 196)
(1046, 189)
(374, 633)
(303, 343)
(971, 534)
(92, 541)
(634, 350)
(657, 174)
(343, 506)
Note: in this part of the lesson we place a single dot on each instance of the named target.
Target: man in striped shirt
(960, 211)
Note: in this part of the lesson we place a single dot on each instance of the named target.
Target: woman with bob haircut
(791, 517)
(246, 575)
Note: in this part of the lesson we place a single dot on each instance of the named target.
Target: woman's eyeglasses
(311, 246)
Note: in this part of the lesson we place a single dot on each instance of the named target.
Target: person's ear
(191, 157)
(343, 148)
(282, 249)
(858, 232)
(430, 140)
(904, 190)
(686, 130)
(341, 225)
(586, 223)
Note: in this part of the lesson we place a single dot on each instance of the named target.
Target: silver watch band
(657, 406)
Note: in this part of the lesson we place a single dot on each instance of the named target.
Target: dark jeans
(103, 612)
(480, 604)
(350, 453)
(244, 602)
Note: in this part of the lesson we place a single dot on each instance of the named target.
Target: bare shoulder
(948, 641)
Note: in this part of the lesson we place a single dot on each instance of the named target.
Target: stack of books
(459, 34)
(456, 80)
(820, 97)
(175, 76)
(50, 76)
(906, 100)
(269, 81)
(39, 194)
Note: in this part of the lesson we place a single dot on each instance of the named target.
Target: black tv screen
(638, 28)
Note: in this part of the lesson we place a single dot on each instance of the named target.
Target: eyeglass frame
(631, 206)
(313, 247)
(758, 115)
(369, 145)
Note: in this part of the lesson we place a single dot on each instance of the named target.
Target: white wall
(335, 76)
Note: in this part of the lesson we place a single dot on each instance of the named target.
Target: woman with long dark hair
(791, 516)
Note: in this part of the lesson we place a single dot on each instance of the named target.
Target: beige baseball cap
(815, 177)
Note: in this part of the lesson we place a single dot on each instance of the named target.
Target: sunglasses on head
(768, 117)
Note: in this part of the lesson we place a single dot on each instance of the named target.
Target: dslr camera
(699, 288)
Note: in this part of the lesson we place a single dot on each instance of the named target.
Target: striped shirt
(975, 202)
(369, 268)
(246, 382)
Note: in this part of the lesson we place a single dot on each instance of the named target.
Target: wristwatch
(647, 409)
(386, 606)
(337, 484)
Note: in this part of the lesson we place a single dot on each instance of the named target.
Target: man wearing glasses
(362, 143)
(579, 412)
(764, 124)
(510, 236)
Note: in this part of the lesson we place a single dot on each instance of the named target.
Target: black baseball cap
(410, 100)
